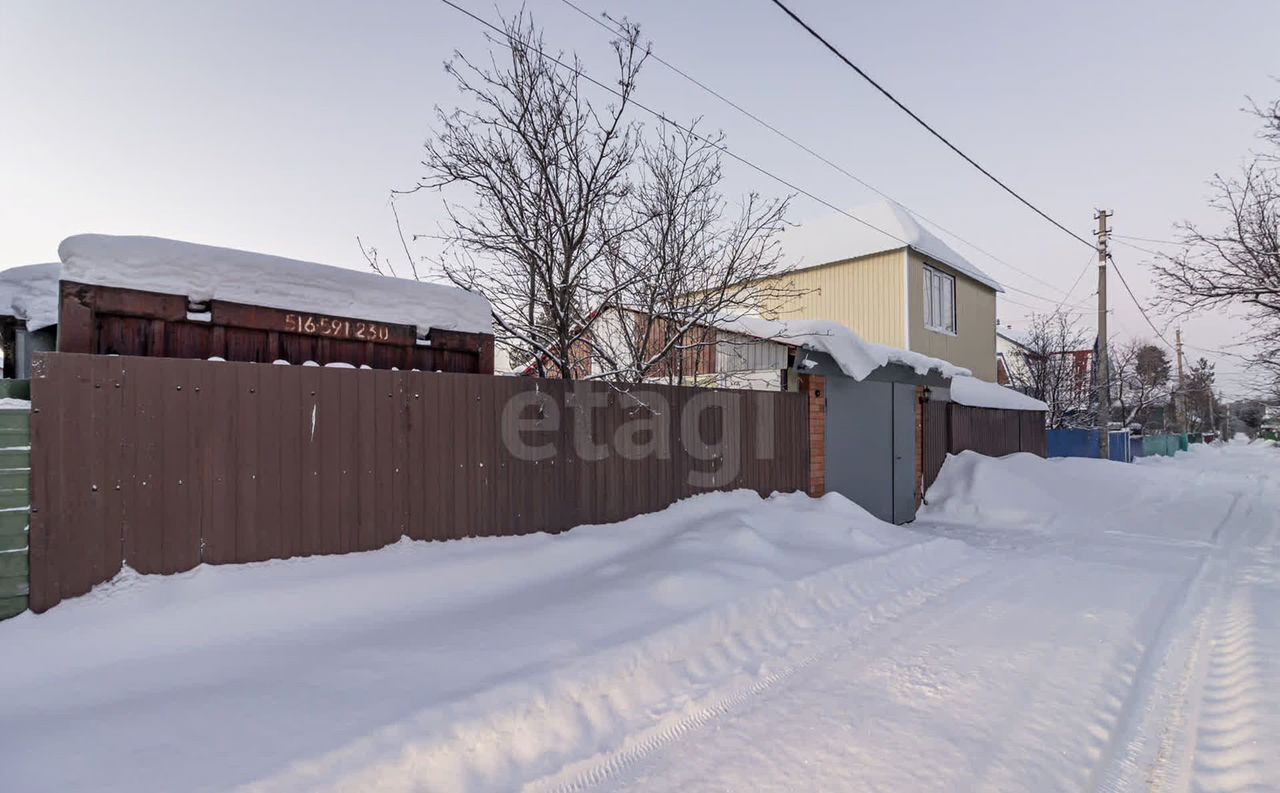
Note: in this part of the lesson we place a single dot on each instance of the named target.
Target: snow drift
(457, 666)
(1071, 494)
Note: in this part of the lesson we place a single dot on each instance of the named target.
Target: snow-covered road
(1045, 625)
(1130, 656)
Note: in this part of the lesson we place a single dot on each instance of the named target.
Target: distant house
(897, 285)
(1072, 371)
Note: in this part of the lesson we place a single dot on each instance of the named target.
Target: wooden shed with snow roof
(163, 298)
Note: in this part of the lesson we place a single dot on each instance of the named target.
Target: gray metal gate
(871, 445)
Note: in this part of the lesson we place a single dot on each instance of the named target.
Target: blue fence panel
(1084, 443)
(1138, 446)
(1072, 443)
(1118, 447)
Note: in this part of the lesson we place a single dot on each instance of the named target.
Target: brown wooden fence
(949, 428)
(163, 464)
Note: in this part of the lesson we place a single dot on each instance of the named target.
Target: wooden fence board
(163, 463)
(952, 428)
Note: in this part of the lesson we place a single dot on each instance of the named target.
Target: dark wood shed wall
(110, 321)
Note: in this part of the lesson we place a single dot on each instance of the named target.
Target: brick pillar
(814, 387)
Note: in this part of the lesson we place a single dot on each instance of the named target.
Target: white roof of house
(855, 356)
(30, 293)
(204, 272)
(837, 237)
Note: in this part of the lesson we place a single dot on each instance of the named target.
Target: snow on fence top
(204, 272)
(855, 356)
(977, 393)
(30, 293)
(837, 237)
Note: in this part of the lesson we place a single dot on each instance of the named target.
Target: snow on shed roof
(855, 356)
(1013, 335)
(837, 237)
(982, 394)
(30, 293)
(205, 272)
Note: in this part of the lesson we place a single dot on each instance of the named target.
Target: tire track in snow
(1228, 756)
(1160, 680)
(1164, 685)
(590, 773)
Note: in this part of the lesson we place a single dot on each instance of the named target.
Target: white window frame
(939, 301)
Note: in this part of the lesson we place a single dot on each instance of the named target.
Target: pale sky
(281, 126)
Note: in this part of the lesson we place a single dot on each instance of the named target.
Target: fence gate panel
(859, 443)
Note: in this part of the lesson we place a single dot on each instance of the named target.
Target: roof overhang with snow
(855, 356)
(880, 227)
(205, 272)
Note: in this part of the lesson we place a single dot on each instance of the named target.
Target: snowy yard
(1044, 625)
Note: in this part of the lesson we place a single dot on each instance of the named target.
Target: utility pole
(1180, 402)
(1102, 368)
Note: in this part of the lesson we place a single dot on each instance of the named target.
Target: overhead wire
(832, 48)
(1141, 309)
(1145, 239)
(714, 144)
(597, 20)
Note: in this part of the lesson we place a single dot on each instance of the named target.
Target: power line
(1140, 248)
(1037, 309)
(1088, 263)
(1146, 239)
(1134, 298)
(824, 160)
(1143, 311)
(718, 146)
(925, 124)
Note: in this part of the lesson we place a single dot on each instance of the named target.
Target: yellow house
(896, 284)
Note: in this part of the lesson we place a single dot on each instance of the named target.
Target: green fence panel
(12, 607)
(15, 389)
(15, 501)
(1159, 445)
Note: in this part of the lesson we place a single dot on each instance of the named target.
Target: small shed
(155, 297)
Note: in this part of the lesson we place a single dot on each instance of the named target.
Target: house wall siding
(863, 294)
(974, 344)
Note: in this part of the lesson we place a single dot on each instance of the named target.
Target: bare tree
(1238, 265)
(1055, 364)
(692, 262)
(1139, 378)
(548, 175)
